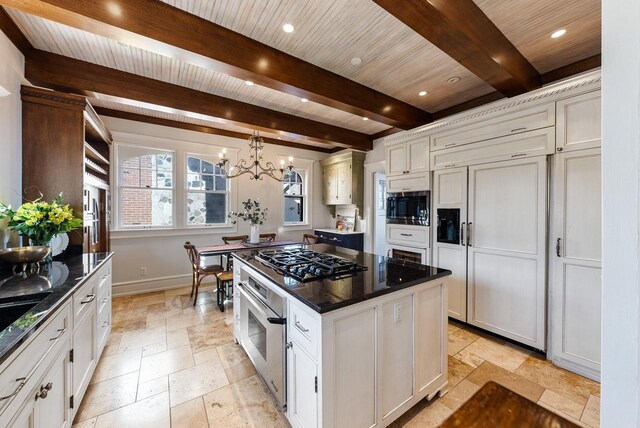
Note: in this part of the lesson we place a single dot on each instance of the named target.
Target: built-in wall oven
(408, 208)
(263, 332)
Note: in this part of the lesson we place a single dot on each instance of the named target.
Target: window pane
(221, 183)
(207, 167)
(131, 163)
(145, 207)
(164, 182)
(130, 177)
(193, 164)
(194, 181)
(208, 182)
(147, 177)
(148, 161)
(164, 162)
(293, 189)
(206, 208)
(293, 209)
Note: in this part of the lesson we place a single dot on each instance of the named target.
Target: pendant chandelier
(254, 166)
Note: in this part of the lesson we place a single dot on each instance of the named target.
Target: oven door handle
(277, 320)
(258, 304)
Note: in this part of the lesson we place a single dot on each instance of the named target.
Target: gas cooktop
(306, 265)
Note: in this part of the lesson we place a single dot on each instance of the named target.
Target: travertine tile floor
(170, 364)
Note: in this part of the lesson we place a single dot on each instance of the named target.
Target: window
(294, 197)
(207, 192)
(146, 187)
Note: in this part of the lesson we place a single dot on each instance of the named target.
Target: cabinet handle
(517, 155)
(406, 234)
(300, 327)
(44, 391)
(558, 248)
(469, 234)
(90, 298)
(450, 144)
(449, 165)
(289, 345)
(462, 241)
(519, 129)
(23, 381)
(60, 333)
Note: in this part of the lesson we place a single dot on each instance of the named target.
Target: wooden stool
(224, 280)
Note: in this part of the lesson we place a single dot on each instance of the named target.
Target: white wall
(161, 252)
(11, 76)
(620, 405)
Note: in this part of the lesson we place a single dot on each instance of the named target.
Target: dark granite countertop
(383, 276)
(59, 280)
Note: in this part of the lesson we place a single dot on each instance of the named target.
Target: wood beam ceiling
(60, 72)
(461, 30)
(162, 28)
(201, 128)
(14, 34)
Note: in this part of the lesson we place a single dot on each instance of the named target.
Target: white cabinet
(409, 235)
(493, 125)
(579, 122)
(407, 183)
(302, 379)
(408, 157)
(449, 244)
(342, 179)
(85, 338)
(237, 268)
(506, 238)
(103, 306)
(576, 260)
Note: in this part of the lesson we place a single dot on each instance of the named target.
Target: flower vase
(37, 243)
(254, 238)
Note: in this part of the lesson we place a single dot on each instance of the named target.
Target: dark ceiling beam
(203, 129)
(158, 27)
(11, 30)
(461, 30)
(572, 69)
(63, 73)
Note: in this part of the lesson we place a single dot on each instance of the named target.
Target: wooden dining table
(226, 249)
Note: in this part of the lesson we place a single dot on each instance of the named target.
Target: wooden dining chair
(267, 237)
(199, 270)
(235, 239)
(309, 238)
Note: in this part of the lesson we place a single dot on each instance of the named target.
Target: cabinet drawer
(409, 182)
(21, 375)
(304, 328)
(104, 325)
(535, 143)
(84, 300)
(408, 235)
(104, 279)
(527, 119)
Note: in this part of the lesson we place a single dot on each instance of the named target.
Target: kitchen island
(359, 348)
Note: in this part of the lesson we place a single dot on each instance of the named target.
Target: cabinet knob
(44, 391)
(559, 149)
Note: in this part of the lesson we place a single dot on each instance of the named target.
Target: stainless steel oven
(408, 208)
(263, 332)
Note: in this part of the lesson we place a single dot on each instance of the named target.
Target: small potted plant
(41, 221)
(254, 215)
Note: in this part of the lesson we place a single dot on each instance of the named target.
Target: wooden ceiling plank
(11, 30)
(201, 128)
(462, 31)
(60, 72)
(162, 28)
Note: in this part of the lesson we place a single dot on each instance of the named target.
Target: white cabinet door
(579, 122)
(303, 395)
(507, 249)
(330, 184)
(576, 286)
(418, 155)
(54, 409)
(396, 159)
(27, 416)
(449, 243)
(84, 354)
(343, 178)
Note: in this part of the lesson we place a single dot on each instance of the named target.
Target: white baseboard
(153, 284)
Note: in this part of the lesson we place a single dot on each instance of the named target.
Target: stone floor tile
(129, 324)
(457, 371)
(518, 384)
(500, 353)
(459, 394)
(241, 371)
(178, 291)
(242, 404)
(164, 363)
(108, 395)
(591, 414)
(206, 355)
(468, 358)
(423, 415)
(231, 354)
(127, 314)
(190, 414)
(141, 338)
(184, 320)
(89, 423)
(570, 385)
(190, 383)
(113, 344)
(116, 365)
(563, 415)
(148, 299)
(154, 348)
(152, 387)
(460, 340)
(177, 338)
(562, 404)
(151, 412)
(211, 335)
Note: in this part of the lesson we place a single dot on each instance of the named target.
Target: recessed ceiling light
(122, 44)
(455, 79)
(288, 28)
(365, 118)
(279, 138)
(558, 33)
(356, 61)
(304, 100)
(248, 82)
(422, 93)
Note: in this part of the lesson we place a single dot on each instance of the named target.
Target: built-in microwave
(408, 208)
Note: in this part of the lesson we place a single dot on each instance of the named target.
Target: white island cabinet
(367, 363)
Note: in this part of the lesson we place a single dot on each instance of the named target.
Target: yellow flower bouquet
(41, 221)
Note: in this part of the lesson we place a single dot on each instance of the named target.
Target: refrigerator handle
(462, 233)
(469, 234)
(558, 248)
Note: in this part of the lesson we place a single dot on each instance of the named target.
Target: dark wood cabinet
(66, 148)
(355, 241)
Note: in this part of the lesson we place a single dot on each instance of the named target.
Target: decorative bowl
(18, 255)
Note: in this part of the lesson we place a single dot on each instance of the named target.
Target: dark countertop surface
(59, 280)
(383, 276)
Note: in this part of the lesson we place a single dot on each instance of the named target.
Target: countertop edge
(339, 232)
(23, 339)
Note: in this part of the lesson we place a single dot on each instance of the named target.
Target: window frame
(119, 187)
(213, 160)
(306, 220)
